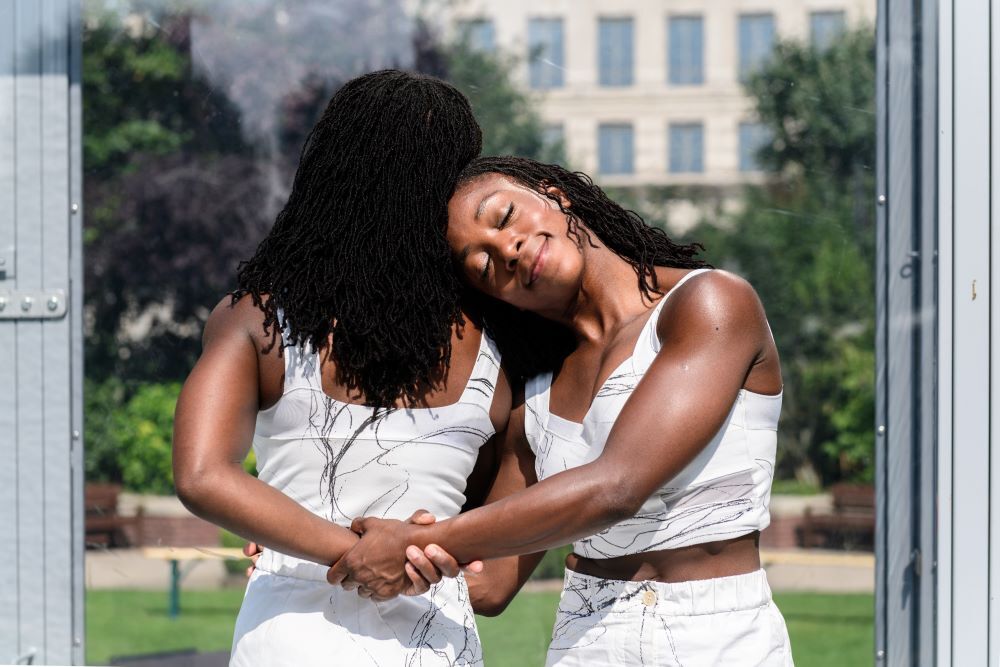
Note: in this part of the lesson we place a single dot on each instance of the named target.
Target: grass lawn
(826, 630)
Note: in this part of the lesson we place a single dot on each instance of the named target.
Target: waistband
(583, 593)
(278, 563)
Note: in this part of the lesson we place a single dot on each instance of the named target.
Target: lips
(538, 263)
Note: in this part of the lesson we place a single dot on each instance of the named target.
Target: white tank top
(723, 493)
(342, 461)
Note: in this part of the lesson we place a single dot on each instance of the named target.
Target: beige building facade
(648, 92)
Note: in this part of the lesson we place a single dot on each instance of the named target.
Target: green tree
(806, 242)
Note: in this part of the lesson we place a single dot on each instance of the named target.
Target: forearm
(492, 589)
(556, 511)
(254, 510)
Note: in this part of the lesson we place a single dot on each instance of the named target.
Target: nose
(511, 250)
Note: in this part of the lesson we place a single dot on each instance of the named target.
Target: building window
(614, 52)
(825, 28)
(553, 136)
(756, 39)
(545, 53)
(615, 149)
(478, 34)
(685, 50)
(687, 148)
(753, 137)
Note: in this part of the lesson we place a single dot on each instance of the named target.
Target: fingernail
(432, 551)
(412, 552)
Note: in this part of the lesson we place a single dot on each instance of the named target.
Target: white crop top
(722, 494)
(341, 461)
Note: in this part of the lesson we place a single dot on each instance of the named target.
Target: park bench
(190, 556)
(850, 525)
(102, 523)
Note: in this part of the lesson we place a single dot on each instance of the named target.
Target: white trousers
(729, 621)
(297, 622)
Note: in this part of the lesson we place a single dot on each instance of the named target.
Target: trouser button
(649, 598)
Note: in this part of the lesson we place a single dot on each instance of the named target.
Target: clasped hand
(385, 563)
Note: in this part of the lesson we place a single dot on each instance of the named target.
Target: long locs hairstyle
(358, 255)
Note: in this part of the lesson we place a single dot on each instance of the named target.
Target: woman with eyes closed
(654, 436)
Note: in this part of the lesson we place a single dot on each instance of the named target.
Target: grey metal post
(906, 301)
(41, 589)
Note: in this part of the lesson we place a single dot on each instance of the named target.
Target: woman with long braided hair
(344, 357)
(653, 431)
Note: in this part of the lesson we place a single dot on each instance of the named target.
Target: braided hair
(590, 211)
(359, 249)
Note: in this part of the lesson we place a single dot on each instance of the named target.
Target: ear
(553, 191)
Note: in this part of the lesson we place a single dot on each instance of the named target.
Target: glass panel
(756, 39)
(479, 33)
(614, 50)
(615, 148)
(686, 144)
(825, 28)
(685, 46)
(545, 53)
(194, 117)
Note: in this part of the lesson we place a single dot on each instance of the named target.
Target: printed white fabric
(342, 461)
(291, 622)
(722, 494)
(724, 622)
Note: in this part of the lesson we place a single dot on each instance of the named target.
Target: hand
(376, 564)
(427, 567)
(252, 550)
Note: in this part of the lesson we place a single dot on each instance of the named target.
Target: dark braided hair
(359, 249)
(590, 211)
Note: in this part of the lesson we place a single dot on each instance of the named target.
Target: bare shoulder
(238, 317)
(716, 301)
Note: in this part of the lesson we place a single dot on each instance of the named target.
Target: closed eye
(484, 272)
(507, 216)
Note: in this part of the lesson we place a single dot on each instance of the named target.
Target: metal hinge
(48, 304)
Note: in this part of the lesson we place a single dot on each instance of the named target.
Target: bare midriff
(725, 558)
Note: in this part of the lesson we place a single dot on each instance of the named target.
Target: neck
(609, 297)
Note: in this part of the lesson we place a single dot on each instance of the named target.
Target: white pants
(726, 621)
(297, 622)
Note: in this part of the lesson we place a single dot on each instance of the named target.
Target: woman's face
(512, 243)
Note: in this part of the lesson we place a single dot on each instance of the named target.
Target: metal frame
(41, 482)
(906, 334)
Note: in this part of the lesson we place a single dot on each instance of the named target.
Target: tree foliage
(187, 160)
(806, 242)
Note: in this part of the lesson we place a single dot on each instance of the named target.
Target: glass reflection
(195, 113)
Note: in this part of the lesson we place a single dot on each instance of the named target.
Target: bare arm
(506, 466)
(712, 332)
(501, 578)
(213, 431)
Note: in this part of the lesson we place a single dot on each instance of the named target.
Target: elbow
(194, 487)
(617, 502)
(491, 603)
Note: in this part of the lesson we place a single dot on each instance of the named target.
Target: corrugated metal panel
(8, 349)
(41, 589)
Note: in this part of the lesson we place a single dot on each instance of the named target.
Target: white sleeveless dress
(342, 461)
(722, 494)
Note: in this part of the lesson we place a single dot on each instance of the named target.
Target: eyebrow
(482, 203)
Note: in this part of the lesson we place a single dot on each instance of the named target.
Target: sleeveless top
(342, 460)
(722, 494)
